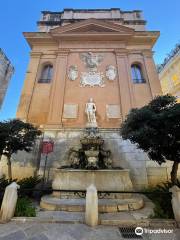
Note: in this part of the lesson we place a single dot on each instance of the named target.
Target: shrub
(25, 208)
(27, 185)
(161, 197)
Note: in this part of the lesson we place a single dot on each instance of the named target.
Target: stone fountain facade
(90, 54)
(92, 154)
(91, 164)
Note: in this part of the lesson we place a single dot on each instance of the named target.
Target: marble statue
(90, 110)
(73, 72)
(111, 72)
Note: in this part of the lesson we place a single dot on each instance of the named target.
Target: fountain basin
(105, 180)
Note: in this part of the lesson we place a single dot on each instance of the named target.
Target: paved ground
(54, 231)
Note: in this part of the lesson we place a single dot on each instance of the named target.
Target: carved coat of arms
(92, 77)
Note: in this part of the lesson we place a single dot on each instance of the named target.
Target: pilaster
(125, 90)
(58, 89)
(29, 84)
(154, 81)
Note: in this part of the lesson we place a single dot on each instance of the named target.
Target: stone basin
(104, 180)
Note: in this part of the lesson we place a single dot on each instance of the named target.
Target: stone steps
(123, 219)
(52, 203)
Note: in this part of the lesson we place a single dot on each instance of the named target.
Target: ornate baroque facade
(100, 57)
(101, 54)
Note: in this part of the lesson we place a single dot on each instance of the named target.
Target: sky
(17, 16)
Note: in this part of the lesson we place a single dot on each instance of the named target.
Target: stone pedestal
(176, 202)
(9, 202)
(91, 214)
(91, 125)
(104, 180)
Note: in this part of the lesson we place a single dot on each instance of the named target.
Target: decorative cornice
(147, 53)
(36, 54)
(121, 52)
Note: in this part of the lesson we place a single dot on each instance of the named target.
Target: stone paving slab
(54, 231)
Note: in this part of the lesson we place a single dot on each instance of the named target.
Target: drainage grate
(129, 233)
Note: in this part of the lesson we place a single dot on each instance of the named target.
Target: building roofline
(168, 60)
(139, 22)
(7, 59)
(92, 10)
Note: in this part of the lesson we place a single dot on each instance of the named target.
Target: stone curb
(160, 223)
(38, 220)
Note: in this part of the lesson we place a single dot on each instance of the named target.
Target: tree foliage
(155, 128)
(16, 135)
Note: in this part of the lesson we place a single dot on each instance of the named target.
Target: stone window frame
(42, 68)
(142, 79)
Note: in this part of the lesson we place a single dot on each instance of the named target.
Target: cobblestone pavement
(55, 231)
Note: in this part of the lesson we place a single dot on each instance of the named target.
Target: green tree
(155, 128)
(16, 135)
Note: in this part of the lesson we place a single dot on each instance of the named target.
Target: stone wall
(143, 171)
(6, 71)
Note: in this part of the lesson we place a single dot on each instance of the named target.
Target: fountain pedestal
(104, 180)
(91, 165)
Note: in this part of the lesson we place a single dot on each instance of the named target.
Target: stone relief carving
(111, 72)
(73, 72)
(74, 157)
(92, 77)
(91, 60)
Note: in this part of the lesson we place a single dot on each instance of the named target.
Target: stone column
(176, 203)
(28, 88)
(125, 89)
(91, 214)
(9, 202)
(58, 90)
(154, 81)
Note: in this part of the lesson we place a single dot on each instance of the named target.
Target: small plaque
(70, 111)
(113, 111)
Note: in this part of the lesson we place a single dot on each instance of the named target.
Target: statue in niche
(90, 110)
(91, 60)
(111, 72)
(73, 72)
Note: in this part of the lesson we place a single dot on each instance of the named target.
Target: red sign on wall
(47, 147)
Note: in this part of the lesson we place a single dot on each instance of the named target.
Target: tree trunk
(9, 168)
(38, 161)
(174, 172)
